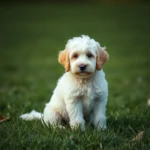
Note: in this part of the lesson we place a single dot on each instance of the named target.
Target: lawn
(31, 37)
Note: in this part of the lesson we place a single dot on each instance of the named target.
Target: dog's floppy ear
(63, 58)
(102, 57)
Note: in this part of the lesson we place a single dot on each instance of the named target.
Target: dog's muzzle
(82, 67)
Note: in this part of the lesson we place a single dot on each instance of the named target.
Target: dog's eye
(89, 55)
(75, 56)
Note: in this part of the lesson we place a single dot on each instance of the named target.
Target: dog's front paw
(101, 123)
(76, 125)
(101, 126)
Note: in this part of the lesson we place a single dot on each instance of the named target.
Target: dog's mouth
(83, 74)
(83, 71)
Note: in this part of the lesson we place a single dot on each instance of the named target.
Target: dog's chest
(87, 95)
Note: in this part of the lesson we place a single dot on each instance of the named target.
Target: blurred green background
(32, 34)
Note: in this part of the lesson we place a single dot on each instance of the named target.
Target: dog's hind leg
(51, 116)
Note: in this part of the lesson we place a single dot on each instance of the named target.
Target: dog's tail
(32, 116)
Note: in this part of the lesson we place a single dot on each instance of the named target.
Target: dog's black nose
(82, 67)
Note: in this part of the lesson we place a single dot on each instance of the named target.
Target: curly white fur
(81, 93)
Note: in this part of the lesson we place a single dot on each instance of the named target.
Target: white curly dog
(81, 93)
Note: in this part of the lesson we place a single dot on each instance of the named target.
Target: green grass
(30, 39)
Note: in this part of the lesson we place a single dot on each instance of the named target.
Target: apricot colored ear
(102, 57)
(63, 58)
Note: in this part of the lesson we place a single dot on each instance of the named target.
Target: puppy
(81, 93)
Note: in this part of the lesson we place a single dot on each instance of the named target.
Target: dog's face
(82, 62)
(83, 56)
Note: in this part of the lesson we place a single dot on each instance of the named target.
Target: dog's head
(83, 56)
